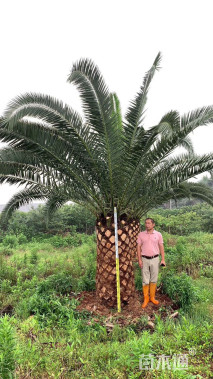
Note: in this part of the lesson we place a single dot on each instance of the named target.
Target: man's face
(149, 225)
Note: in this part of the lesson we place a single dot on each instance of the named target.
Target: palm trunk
(106, 290)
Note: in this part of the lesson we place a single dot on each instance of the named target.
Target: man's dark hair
(152, 220)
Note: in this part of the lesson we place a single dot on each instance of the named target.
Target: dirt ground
(131, 312)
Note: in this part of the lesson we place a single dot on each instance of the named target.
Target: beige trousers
(150, 270)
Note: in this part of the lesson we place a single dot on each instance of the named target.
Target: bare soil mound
(131, 312)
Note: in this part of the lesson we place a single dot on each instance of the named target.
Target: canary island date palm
(101, 160)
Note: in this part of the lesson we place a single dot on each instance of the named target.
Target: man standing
(150, 245)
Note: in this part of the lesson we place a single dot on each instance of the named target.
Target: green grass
(49, 338)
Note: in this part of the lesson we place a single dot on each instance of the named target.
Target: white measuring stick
(117, 261)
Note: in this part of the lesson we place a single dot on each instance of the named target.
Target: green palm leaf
(21, 198)
(136, 109)
(100, 114)
(99, 160)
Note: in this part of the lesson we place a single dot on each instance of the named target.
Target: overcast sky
(40, 40)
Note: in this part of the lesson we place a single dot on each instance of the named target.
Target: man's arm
(162, 253)
(139, 255)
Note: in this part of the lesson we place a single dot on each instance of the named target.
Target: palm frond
(32, 137)
(188, 123)
(100, 115)
(183, 190)
(64, 194)
(180, 169)
(9, 154)
(54, 202)
(59, 122)
(187, 144)
(21, 198)
(13, 172)
(136, 109)
(21, 172)
(94, 93)
(180, 127)
(45, 108)
(137, 160)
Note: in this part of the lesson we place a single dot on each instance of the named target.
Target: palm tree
(101, 161)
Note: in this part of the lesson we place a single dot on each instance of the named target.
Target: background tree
(69, 218)
(101, 161)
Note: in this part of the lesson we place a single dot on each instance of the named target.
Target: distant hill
(24, 208)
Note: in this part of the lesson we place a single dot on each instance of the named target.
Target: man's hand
(163, 262)
(140, 263)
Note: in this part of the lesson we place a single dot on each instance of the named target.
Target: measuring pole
(117, 261)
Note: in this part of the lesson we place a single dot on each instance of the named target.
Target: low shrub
(10, 240)
(60, 283)
(6, 250)
(50, 309)
(21, 238)
(179, 288)
(33, 257)
(7, 272)
(7, 348)
(70, 240)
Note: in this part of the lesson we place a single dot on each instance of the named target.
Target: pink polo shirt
(150, 242)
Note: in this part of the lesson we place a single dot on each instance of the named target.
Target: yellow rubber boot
(152, 288)
(145, 295)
